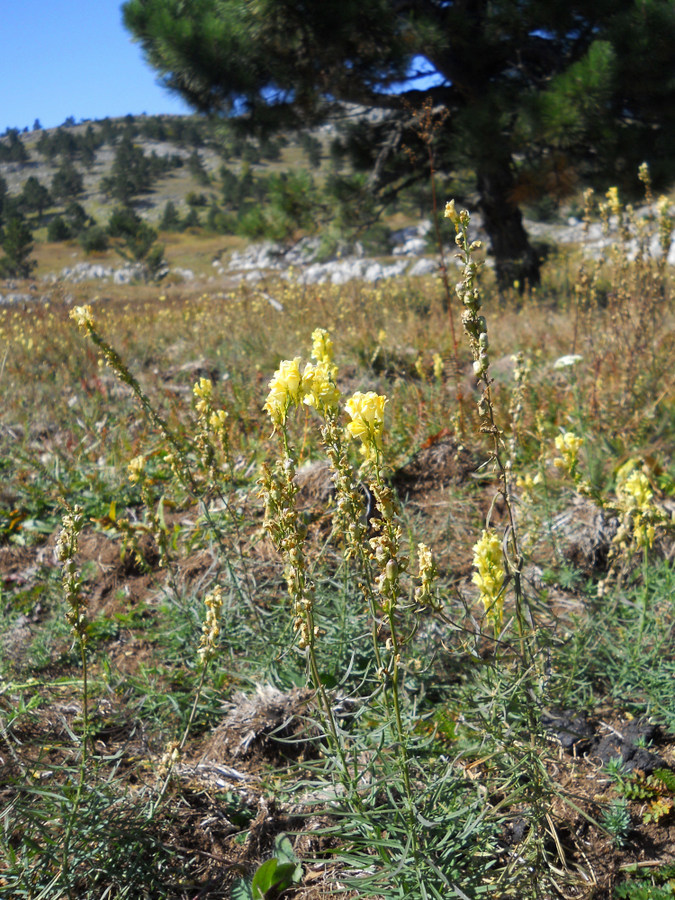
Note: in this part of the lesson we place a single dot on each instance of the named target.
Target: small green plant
(655, 791)
(660, 885)
(273, 876)
(616, 820)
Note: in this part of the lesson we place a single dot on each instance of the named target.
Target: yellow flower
(636, 488)
(287, 388)
(83, 316)
(211, 627)
(634, 495)
(136, 469)
(218, 420)
(612, 196)
(489, 575)
(322, 346)
(438, 366)
(367, 414)
(568, 445)
(203, 391)
(427, 575)
(451, 213)
(321, 391)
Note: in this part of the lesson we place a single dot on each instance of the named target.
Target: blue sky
(61, 58)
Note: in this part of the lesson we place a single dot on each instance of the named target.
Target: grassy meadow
(267, 634)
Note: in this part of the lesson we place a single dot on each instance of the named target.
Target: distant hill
(172, 159)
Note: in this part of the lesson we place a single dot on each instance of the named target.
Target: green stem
(79, 628)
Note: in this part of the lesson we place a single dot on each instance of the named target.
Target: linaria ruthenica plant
(476, 331)
(375, 548)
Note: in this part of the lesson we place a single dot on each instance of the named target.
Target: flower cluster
(474, 325)
(136, 469)
(83, 317)
(66, 550)
(286, 389)
(427, 576)
(666, 225)
(322, 347)
(367, 420)
(211, 628)
(635, 500)
(321, 392)
(568, 446)
(203, 392)
(282, 523)
(489, 575)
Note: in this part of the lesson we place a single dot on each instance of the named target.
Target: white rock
(423, 267)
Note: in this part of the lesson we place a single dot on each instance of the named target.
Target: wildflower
(66, 549)
(636, 488)
(526, 485)
(427, 575)
(568, 445)
(489, 575)
(451, 213)
(635, 496)
(203, 391)
(83, 317)
(666, 224)
(321, 391)
(367, 414)
(211, 628)
(612, 196)
(322, 346)
(564, 362)
(438, 366)
(170, 758)
(218, 420)
(136, 469)
(287, 388)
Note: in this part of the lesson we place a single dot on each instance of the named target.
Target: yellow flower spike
(83, 317)
(322, 346)
(211, 628)
(637, 489)
(612, 196)
(568, 445)
(286, 389)
(367, 415)
(136, 469)
(451, 213)
(203, 389)
(218, 420)
(427, 575)
(489, 575)
(321, 392)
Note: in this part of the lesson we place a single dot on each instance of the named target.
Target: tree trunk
(515, 259)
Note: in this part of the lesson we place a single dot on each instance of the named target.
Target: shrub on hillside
(58, 230)
(94, 239)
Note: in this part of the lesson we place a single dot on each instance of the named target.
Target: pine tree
(515, 85)
(34, 196)
(17, 242)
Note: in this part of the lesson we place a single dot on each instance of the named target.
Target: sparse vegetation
(300, 595)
